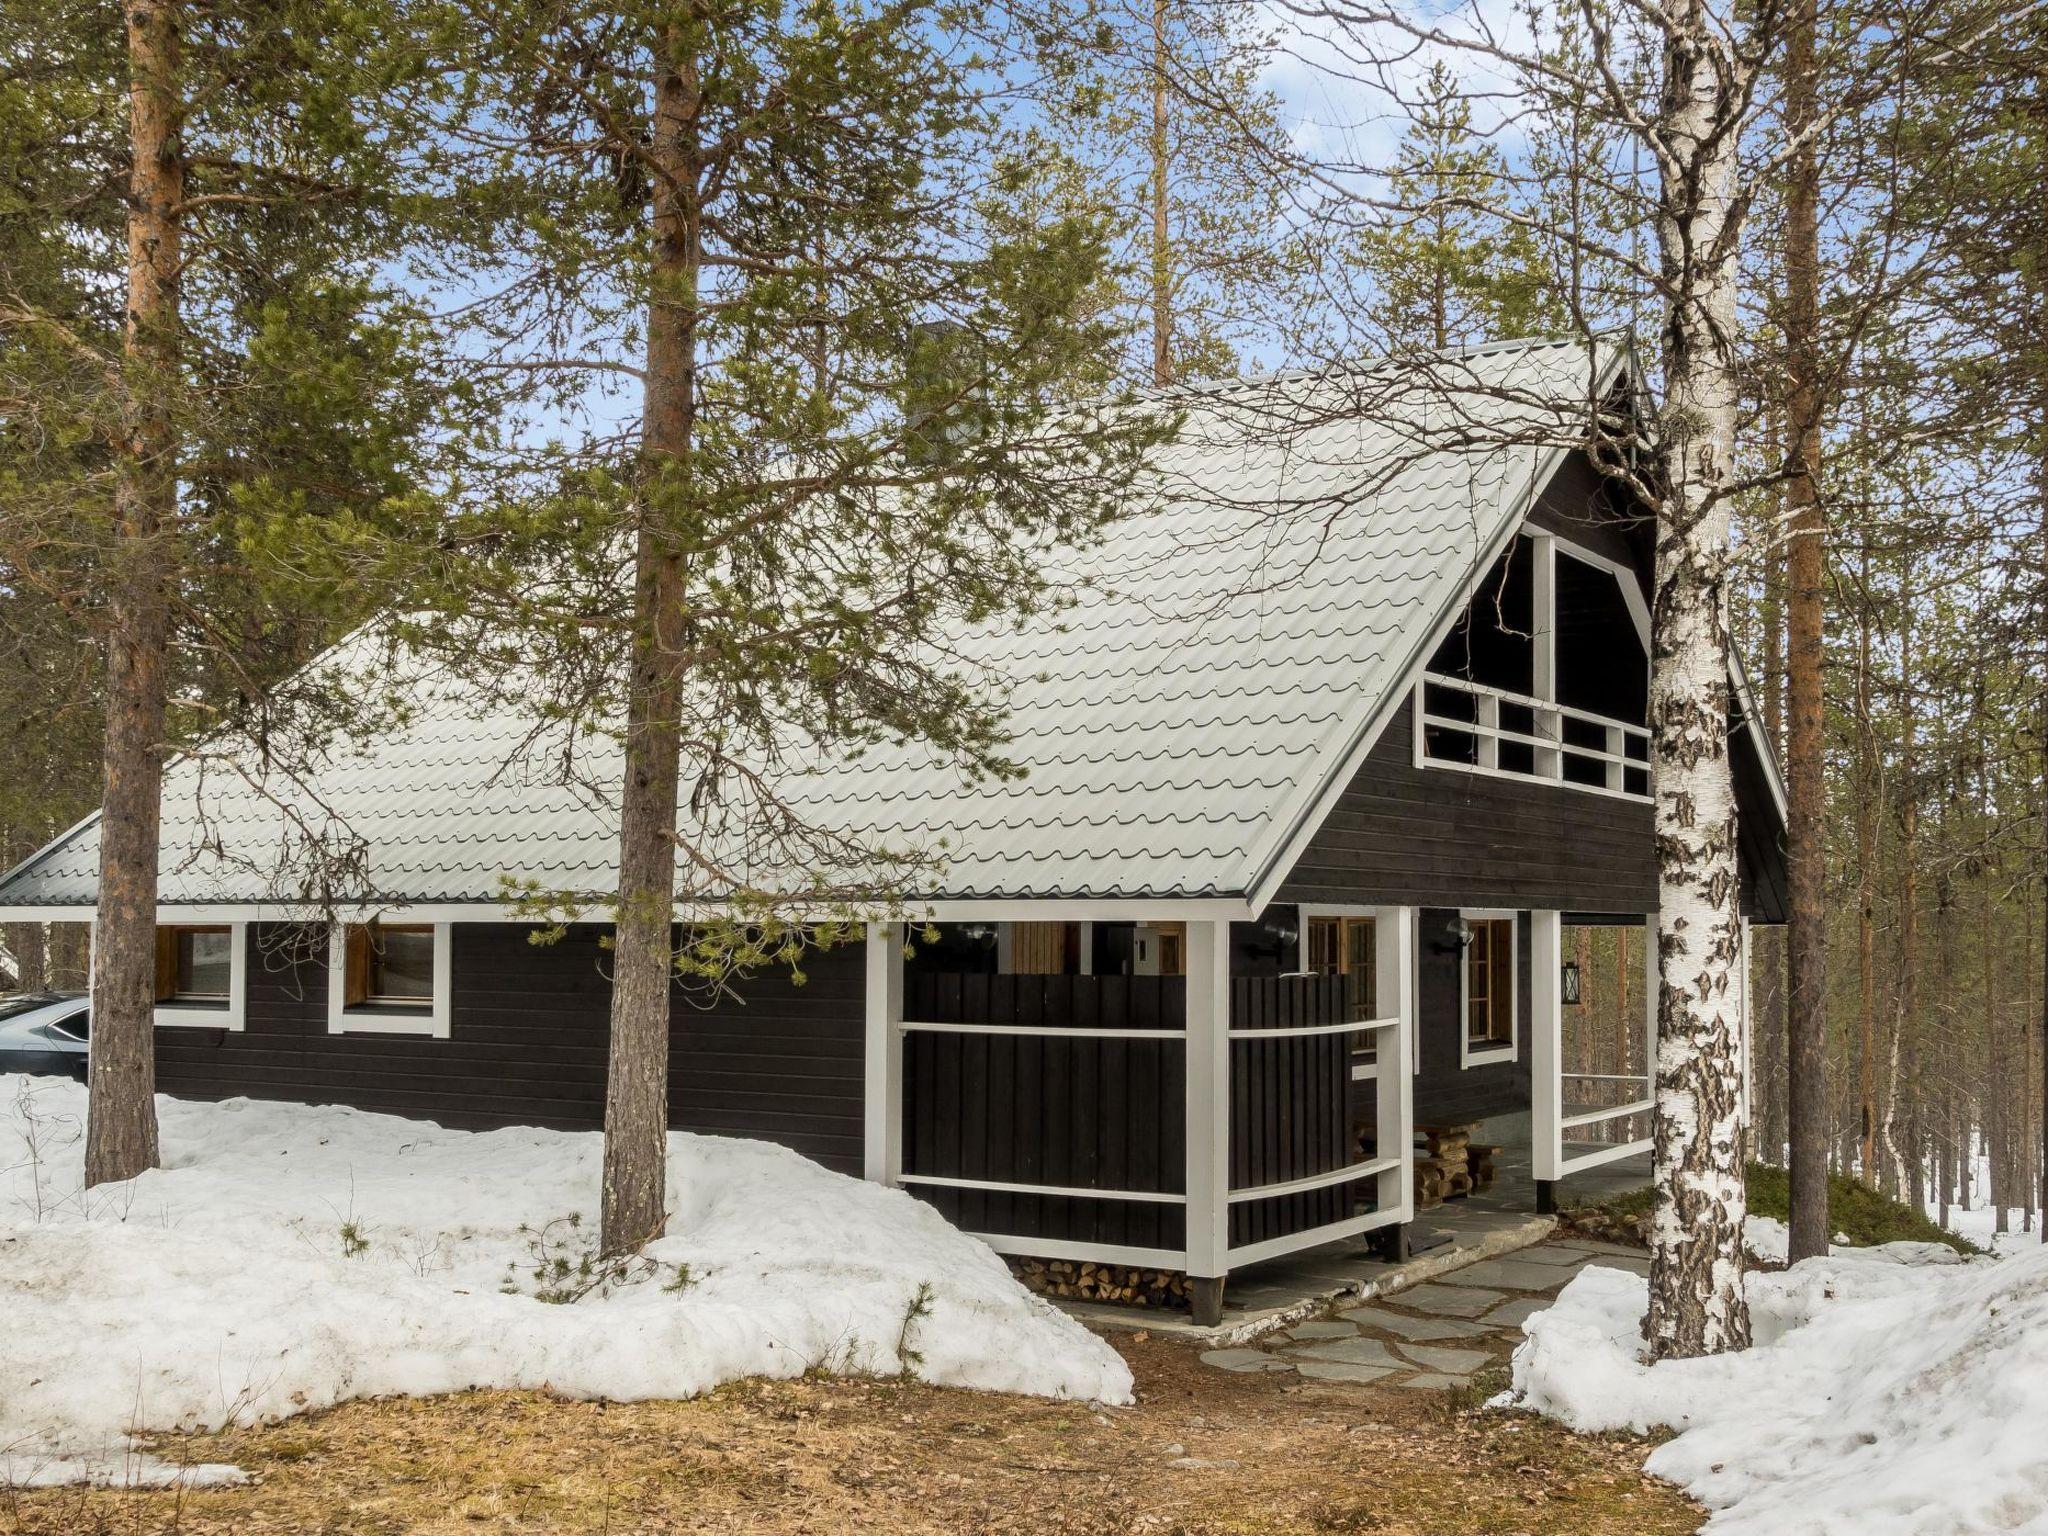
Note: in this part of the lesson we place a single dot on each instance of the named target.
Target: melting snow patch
(287, 1258)
(1891, 1390)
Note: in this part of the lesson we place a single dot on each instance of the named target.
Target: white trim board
(1103, 909)
(431, 1022)
(232, 1015)
(1491, 1055)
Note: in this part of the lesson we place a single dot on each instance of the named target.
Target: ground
(1203, 1451)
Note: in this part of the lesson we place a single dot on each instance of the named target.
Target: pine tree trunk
(1162, 246)
(121, 1129)
(1906, 1029)
(1866, 858)
(1697, 1305)
(636, 1093)
(1805, 747)
(25, 942)
(2041, 684)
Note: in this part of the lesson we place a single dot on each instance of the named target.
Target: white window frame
(1385, 920)
(173, 1014)
(431, 1021)
(1490, 1055)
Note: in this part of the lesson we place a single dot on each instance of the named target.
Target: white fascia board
(1738, 679)
(1100, 909)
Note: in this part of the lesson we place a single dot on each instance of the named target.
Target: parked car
(45, 1033)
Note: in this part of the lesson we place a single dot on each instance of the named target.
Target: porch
(1226, 1111)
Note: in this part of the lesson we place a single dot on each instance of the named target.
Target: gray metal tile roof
(1305, 535)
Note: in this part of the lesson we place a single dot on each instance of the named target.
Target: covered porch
(1245, 1099)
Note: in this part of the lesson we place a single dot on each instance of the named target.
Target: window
(200, 969)
(1347, 946)
(1488, 991)
(76, 1026)
(389, 978)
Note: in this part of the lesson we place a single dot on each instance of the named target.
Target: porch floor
(1264, 1298)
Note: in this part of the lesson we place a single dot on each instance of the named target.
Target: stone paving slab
(1420, 1328)
(1550, 1253)
(1431, 1382)
(1448, 1362)
(1243, 1360)
(1337, 1370)
(1594, 1245)
(1441, 1300)
(1301, 1332)
(1512, 1314)
(1515, 1275)
(1354, 1351)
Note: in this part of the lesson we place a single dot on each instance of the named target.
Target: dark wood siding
(1446, 1093)
(1409, 836)
(1037, 1109)
(528, 1026)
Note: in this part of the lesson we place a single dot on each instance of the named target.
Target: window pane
(402, 964)
(205, 962)
(1322, 946)
(1362, 961)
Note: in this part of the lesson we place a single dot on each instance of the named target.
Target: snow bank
(287, 1258)
(1891, 1390)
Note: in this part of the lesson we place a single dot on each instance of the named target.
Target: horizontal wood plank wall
(1035, 1109)
(1445, 1093)
(527, 1046)
(1407, 836)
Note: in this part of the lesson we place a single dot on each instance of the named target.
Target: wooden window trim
(201, 1010)
(353, 1009)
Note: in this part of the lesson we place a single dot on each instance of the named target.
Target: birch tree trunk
(1697, 1305)
(121, 1129)
(636, 1091)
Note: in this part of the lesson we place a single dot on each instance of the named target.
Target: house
(1337, 823)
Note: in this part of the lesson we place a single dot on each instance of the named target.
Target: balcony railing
(1481, 729)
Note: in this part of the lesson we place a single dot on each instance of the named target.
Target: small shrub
(1857, 1214)
(918, 1309)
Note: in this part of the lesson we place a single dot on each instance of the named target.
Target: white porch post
(1394, 943)
(1208, 1116)
(1549, 761)
(1653, 991)
(1546, 1051)
(1745, 1039)
(882, 1119)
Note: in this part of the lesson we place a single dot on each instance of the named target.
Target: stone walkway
(1432, 1336)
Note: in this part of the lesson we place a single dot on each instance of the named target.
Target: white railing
(1622, 774)
(1555, 1152)
(1205, 1041)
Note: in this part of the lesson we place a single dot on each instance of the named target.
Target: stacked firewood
(1449, 1165)
(1085, 1280)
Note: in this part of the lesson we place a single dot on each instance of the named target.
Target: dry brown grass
(832, 1456)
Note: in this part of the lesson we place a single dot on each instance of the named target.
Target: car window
(24, 1002)
(76, 1027)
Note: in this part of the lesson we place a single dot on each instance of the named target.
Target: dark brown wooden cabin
(1360, 849)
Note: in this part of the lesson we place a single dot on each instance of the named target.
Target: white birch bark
(1696, 1275)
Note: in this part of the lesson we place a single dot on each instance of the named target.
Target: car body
(45, 1033)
